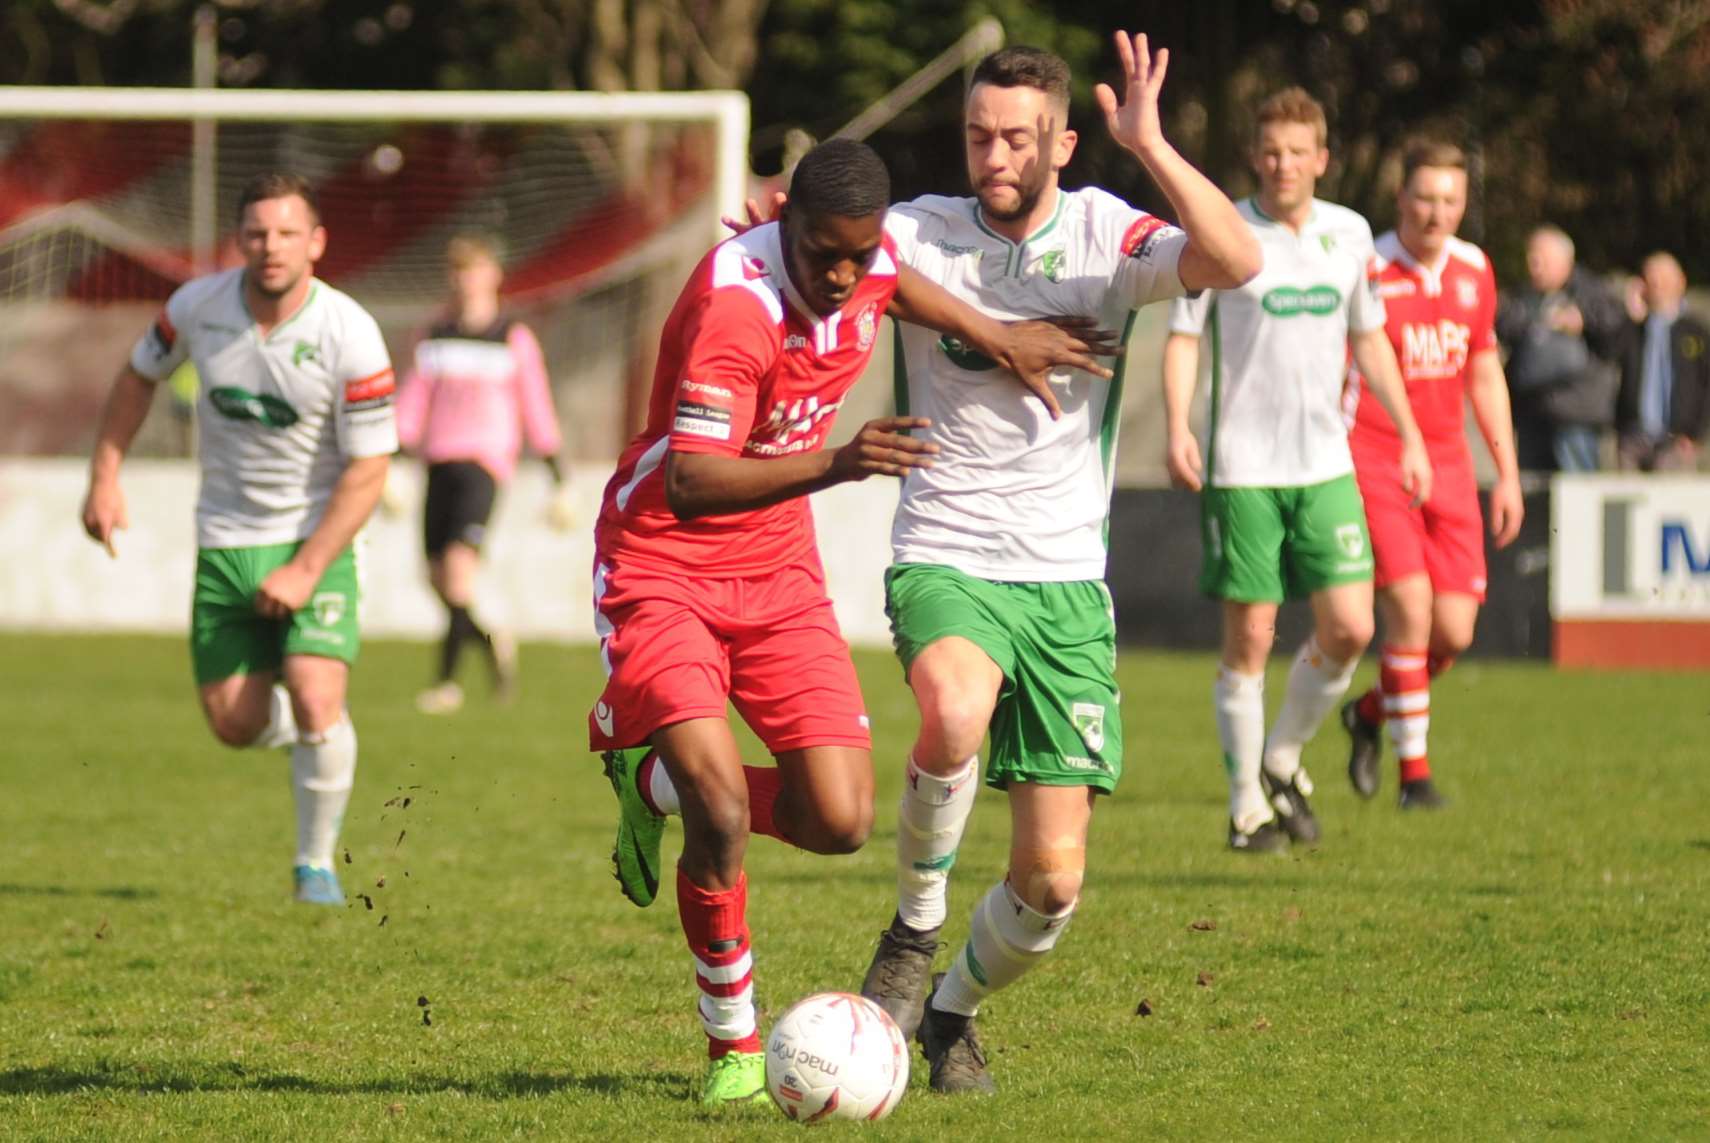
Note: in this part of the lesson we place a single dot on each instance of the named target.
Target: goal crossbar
(727, 110)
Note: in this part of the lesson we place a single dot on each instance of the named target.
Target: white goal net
(111, 198)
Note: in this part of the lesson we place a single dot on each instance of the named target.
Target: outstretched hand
(756, 215)
(1133, 118)
(1033, 349)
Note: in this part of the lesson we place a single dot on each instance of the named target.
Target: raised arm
(1221, 251)
(127, 405)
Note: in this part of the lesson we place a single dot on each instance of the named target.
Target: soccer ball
(836, 1055)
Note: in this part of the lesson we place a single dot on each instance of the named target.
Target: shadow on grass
(228, 1078)
(116, 893)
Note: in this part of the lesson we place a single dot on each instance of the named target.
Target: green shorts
(1058, 720)
(228, 638)
(1265, 545)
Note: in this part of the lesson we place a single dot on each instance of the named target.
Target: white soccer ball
(835, 1055)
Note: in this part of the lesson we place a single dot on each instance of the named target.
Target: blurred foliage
(1588, 113)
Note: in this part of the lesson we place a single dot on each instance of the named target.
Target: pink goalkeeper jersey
(476, 396)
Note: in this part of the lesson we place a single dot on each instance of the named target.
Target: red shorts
(676, 647)
(1444, 537)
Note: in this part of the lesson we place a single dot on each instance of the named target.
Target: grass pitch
(1534, 961)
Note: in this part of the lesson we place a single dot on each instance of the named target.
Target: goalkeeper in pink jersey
(477, 390)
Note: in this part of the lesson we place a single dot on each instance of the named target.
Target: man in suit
(1663, 411)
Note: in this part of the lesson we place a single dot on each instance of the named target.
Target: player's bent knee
(954, 718)
(235, 729)
(1048, 880)
(1347, 638)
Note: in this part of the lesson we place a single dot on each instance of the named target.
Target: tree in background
(1588, 113)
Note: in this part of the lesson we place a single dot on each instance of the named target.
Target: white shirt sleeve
(367, 425)
(1146, 261)
(163, 347)
(1365, 307)
(903, 226)
(1188, 315)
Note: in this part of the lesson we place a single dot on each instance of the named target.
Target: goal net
(111, 198)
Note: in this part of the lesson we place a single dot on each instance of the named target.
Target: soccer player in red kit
(1440, 295)
(707, 580)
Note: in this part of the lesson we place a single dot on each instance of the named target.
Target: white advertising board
(1630, 547)
(535, 582)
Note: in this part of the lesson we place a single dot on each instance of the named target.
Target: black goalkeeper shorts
(460, 497)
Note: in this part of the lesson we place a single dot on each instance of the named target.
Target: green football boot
(635, 855)
(736, 1078)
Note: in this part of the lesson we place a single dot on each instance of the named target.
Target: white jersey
(278, 417)
(1012, 494)
(1279, 350)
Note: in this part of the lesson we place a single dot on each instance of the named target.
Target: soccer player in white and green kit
(295, 431)
(1281, 515)
(996, 596)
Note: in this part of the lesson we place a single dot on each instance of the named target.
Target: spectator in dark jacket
(1663, 411)
(1563, 334)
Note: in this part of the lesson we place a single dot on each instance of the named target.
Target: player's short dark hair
(1022, 66)
(1430, 153)
(841, 177)
(278, 184)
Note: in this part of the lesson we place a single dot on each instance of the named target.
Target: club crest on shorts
(328, 607)
(1088, 718)
(1352, 542)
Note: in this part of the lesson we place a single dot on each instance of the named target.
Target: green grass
(1535, 961)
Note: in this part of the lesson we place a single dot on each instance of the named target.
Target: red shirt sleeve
(1483, 333)
(730, 345)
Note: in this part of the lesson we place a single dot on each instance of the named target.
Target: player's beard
(1027, 194)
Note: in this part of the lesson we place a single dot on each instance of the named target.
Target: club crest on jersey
(1051, 265)
(262, 408)
(866, 328)
(1466, 293)
(1088, 718)
(303, 351)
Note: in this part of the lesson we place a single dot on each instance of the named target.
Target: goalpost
(111, 197)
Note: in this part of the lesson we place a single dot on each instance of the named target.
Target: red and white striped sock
(1405, 680)
(716, 926)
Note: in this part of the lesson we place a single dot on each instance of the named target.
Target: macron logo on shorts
(603, 718)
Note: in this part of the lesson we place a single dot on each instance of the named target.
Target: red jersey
(745, 369)
(1438, 318)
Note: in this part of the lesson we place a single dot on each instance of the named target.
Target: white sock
(1006, 938)
(281, 721)
(1315, 686)
(660, 790)
(323, 768)
(931, 815)
(1240, 704)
